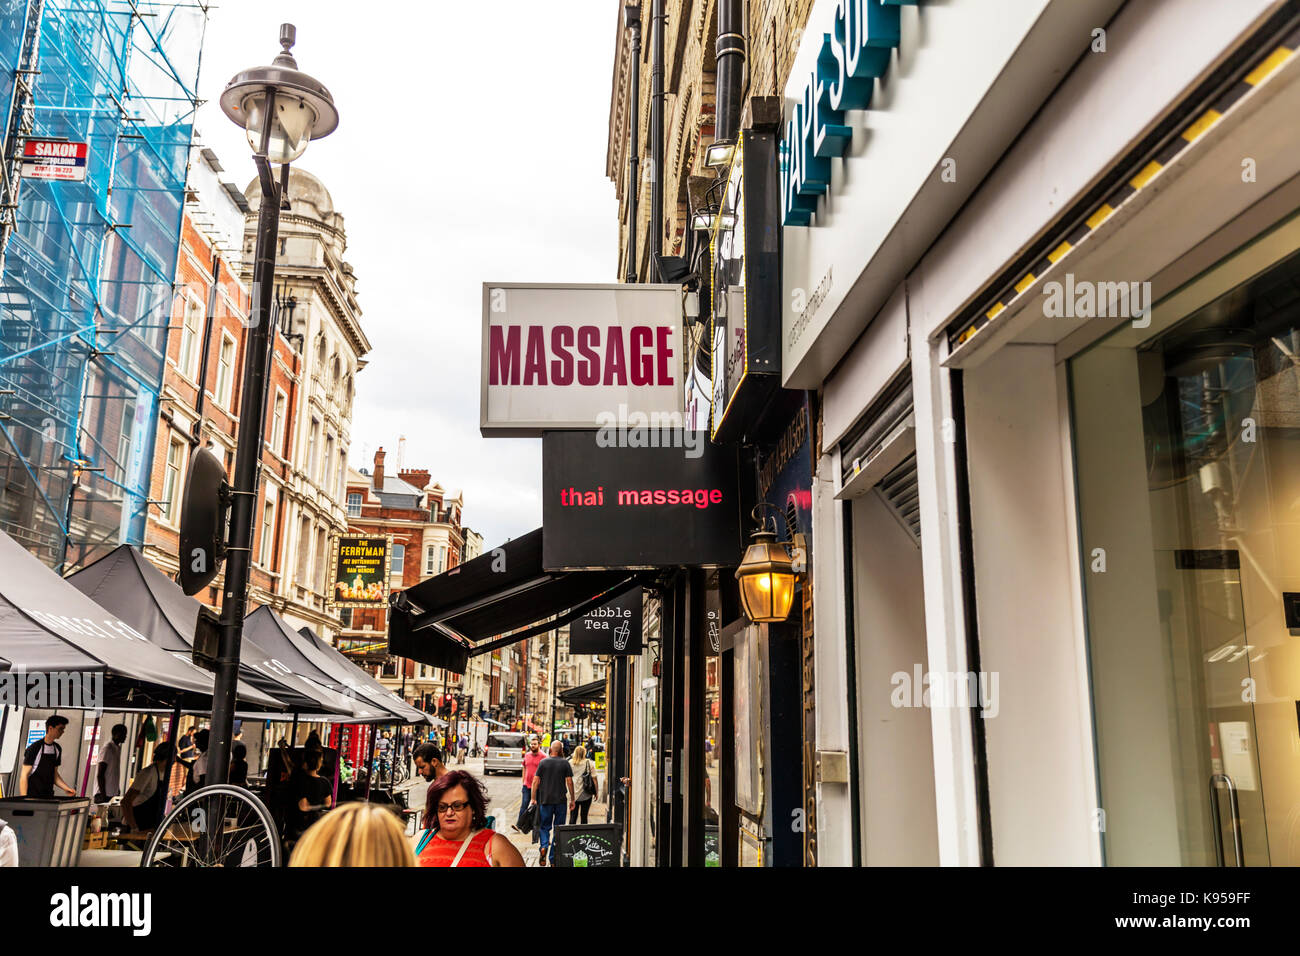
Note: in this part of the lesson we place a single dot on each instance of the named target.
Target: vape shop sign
(613, 628)
(573, 356)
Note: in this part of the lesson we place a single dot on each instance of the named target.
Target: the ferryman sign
(562, 357)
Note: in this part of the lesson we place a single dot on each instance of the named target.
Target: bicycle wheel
(190, 836)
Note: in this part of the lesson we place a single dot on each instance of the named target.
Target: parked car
(505, 752)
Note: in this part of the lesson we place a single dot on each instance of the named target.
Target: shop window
(1187, 444)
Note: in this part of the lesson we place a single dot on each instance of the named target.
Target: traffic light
(444, 706)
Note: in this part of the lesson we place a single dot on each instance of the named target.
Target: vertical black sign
(613, 628)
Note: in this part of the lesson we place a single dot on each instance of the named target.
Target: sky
(470, 148)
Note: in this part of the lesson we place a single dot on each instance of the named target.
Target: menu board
(583, 845)
(360, 571)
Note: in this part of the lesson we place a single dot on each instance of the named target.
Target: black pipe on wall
(730, 50)
(632, 20)
(657, 18)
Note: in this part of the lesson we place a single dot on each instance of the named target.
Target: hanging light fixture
(767, 576)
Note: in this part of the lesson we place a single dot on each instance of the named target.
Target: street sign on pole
(54, 159)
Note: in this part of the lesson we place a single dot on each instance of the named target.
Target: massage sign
(673, 502)
(563, 356)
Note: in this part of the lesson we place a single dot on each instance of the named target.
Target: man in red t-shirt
(532, 757)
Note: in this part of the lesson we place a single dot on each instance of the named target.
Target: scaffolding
(88, 268)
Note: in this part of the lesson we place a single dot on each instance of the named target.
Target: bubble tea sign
(613, 628)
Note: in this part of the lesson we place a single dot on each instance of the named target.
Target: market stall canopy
(47, 625)
(441, 620)
(584, 693)
(129, 585)
(331, 661)
(272, 634)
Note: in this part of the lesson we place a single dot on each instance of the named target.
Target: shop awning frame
(584, 693)
(462, 613)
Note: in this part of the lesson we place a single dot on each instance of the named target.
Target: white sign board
(580, 356)
(55, 160)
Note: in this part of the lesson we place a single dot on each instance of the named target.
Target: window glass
(1187, 445)
(354, 504)
(172, 481)
(225, 372)
(268, 528)
(399, 559)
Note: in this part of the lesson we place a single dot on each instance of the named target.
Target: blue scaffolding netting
(86, 293)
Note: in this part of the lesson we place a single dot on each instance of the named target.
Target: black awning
(584, 693)
(133, 588)
(350, 675)
(47, 624)
(439, 620)
(274, 638)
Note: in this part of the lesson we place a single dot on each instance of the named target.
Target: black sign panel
(638, 497)
(614, 628)
(584, 845)
(745, 294)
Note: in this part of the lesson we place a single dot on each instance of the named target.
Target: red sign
(54, 159)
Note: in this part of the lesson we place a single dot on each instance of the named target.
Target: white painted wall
(830, 663)
(896, 789)
(1038, 737)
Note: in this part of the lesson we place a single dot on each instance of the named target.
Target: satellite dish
(203, 521)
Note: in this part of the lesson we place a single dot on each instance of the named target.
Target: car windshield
(506, 741)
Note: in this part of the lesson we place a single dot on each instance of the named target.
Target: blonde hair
(356, 834)
(579, 755)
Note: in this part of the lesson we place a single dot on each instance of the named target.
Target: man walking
(554, 776)
(533, 756)
(428, 762)
(108, 774)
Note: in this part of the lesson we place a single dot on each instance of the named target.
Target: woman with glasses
(456, 817)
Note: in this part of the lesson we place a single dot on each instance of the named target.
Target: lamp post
(280, 109)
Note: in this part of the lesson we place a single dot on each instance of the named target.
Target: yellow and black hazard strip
(1192, 122)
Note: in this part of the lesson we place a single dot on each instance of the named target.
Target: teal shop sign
(852, 56)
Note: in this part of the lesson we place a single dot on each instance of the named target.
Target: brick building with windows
(316, 352)
(424, 521)
(201, 401)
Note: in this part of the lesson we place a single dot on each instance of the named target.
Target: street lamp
(281, 109)
(767, 576)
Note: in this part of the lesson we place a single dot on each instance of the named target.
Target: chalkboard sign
(595, 844)
(712, 846)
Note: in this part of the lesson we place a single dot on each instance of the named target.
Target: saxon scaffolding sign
(54, 159)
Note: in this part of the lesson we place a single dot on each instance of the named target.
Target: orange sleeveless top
(440, 852)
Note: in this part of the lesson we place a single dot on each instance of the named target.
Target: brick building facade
(773, 30)
(424, 521)
(201, 397)
(316, 353)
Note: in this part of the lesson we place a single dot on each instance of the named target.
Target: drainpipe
(730, 51)
(657, 17)
(632, 19)
(196, 438)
